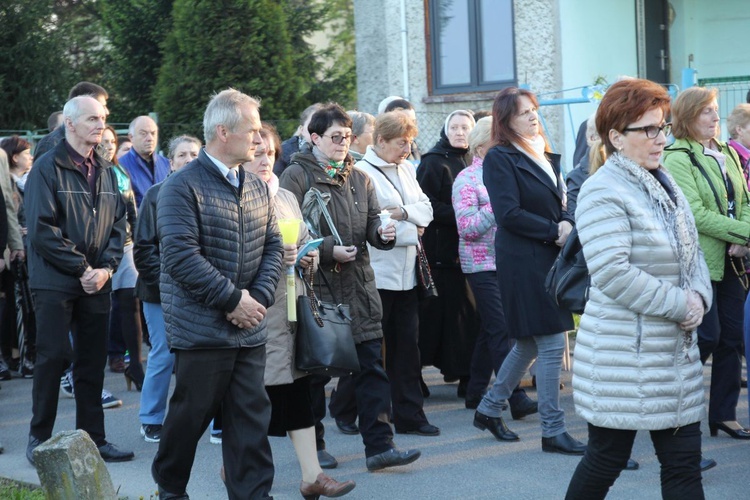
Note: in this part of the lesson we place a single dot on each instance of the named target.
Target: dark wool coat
(354, 209)
(448, 324)
(528, 207)
(216, 240)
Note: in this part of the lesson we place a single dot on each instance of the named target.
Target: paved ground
(461, 463)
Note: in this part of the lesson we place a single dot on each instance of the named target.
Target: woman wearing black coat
(527, 195)
(448, 325)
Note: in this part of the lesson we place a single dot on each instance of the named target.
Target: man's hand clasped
(248, 313)
(94, 279)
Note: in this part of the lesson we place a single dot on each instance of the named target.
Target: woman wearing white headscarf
(448, 325)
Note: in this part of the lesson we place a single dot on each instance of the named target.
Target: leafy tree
(213, 45)
(136, 30)
(83, 38)
(259, 47)
(339, 80)
(35, 75)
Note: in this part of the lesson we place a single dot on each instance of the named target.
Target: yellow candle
(289, 233)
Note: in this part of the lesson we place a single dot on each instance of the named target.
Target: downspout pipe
(404, 51)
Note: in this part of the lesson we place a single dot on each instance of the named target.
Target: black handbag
(568, 280)
(325, 345)
(426, 286)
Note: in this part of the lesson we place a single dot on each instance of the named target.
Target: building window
(472, 47)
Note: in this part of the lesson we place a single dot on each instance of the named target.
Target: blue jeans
(548, 351)
(159, 369)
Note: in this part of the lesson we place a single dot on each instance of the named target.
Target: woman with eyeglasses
(326, 165)
(637, 365)
(527, 195)
(710, 174)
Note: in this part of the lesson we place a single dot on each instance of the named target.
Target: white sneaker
(66, 385)
(109, 401)
(215, 438)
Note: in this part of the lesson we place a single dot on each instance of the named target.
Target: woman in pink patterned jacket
(476, 248)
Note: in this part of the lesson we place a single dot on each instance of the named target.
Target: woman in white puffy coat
(637, 364)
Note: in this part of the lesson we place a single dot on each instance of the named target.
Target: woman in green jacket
(709, 174)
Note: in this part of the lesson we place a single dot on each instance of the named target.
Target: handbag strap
(309, 285)
(323, 206)
(387, 178)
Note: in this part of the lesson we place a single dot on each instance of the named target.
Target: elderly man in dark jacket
(221, 256)
(76, 231)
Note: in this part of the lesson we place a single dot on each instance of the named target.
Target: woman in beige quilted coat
(637, 365)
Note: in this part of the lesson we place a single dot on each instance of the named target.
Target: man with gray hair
(55, 136)
(363, 124)
(221, 256)
(144, 165)
(294, 143)
(76, 232)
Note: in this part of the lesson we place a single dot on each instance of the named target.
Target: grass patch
(14, 490)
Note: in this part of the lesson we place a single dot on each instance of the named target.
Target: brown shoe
(325, 486)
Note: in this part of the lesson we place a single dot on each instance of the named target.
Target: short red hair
(624, 103)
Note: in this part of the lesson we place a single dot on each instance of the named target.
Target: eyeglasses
(651, 130)
(338, 138)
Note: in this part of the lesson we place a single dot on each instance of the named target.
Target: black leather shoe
(326, 460)
(347, 428)
(166, 495)
(422, 430)
(496, 426)
(563, 443)
(110, 453)
(392, 458)
(715, 427)
(472, 401)
(523, 407)
(743, 383)
(33, 443)
(707, 463)
(632, 465)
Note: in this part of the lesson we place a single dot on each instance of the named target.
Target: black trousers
(402, 359)
(59, 314)
(130, 325)
(721, 337)
(402, 364)
(373, 399)
(493, 343)
(318, 399)
(116, 344)
(608, 450)
(343, 404)
(204, 380)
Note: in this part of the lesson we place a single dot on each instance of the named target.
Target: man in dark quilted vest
(221, 256)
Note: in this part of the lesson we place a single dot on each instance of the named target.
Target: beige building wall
(382, 69)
